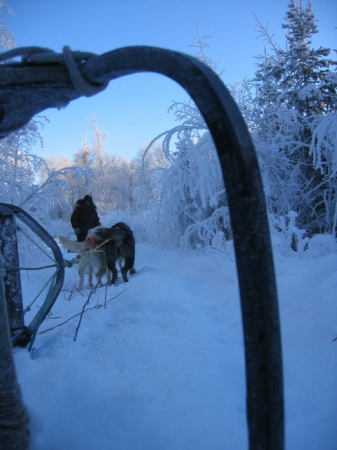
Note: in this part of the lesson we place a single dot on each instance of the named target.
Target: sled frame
(35, 84)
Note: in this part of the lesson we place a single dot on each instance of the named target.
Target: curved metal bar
(249, 222)
(259, 305)
(49, 241)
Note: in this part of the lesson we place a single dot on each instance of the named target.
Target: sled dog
(91, 260)
(120, 246)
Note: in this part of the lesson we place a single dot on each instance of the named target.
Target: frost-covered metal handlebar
(44, 79)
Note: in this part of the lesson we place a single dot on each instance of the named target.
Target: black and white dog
(120, 244)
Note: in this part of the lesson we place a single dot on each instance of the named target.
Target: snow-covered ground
(158, 362)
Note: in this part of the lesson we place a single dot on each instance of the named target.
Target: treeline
(114, 182)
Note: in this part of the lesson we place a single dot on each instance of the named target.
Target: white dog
(91, 260)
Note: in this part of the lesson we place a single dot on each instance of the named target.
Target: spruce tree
(295, 92)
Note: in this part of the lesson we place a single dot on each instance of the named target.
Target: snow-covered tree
(295, 95)
(7, 40)
(18, 166)
(109, 178)
(191, 206)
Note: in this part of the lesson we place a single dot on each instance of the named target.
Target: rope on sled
(66, 263)
(29, 268)
(68, 57)
(51, 281)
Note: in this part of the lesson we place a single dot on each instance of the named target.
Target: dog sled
(44, 79)
(22, 334)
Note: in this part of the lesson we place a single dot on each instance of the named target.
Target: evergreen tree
(295, 92)
(305, 69)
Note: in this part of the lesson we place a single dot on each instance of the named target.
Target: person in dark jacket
(84, 217)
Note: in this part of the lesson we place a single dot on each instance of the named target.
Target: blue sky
(134, 109)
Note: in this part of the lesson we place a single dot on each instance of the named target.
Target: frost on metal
(9, 212)
(9, 249)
